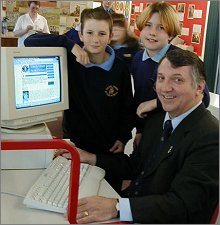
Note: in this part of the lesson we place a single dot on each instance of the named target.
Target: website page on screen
(37, 81)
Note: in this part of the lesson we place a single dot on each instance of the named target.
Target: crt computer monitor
(34, 86)
(214, 104)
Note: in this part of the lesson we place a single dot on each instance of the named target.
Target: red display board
(192, 16)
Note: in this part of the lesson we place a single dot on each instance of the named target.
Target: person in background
(106, 5)
(30, 23)
(73, 33)
(158, 25)
(123, 42)
(101, 111)
(175, 172)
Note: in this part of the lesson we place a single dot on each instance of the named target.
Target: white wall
(205, 31)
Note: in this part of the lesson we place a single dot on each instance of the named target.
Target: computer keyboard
(51, 190)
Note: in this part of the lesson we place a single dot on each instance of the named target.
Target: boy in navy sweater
(101, 111)
(158, 24)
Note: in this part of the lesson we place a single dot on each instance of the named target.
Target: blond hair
(168, 17)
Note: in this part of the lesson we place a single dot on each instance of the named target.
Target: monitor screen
(34, 86)
(37, 81)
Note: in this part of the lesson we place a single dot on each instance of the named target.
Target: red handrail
(215, 215)
(54, 144)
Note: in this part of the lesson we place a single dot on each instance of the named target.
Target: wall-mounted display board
(61, 15)
(123, 7)
(192, 16)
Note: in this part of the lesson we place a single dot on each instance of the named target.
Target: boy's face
(153, 35)
(95, 35)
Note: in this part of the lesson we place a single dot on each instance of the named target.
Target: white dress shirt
(23, 21)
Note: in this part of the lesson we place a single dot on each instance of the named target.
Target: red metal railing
(54, 144)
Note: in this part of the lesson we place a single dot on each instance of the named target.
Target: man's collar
(158, 56)
(78, 27)
(177, 120)
(106, 9)
(37, 17)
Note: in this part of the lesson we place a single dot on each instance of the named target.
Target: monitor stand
(39, 128)
(26, 159)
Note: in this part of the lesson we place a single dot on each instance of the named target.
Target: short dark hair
(180, 57)
(119, 20)
(97, 14)
(36, 3)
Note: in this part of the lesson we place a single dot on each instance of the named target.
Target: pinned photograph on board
(181, 7)
(196, 37)
(191, 9)
(132, 25)
(132, 9)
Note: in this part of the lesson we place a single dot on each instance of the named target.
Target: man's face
(95, 35)
(175, 89)
(107, 4)
(34, 8)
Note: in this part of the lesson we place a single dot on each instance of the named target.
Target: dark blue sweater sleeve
(49, 40)
(73, 35)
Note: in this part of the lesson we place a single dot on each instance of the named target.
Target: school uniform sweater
(126, 53)
(101, 107)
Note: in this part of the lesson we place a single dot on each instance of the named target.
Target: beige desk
(18, 182)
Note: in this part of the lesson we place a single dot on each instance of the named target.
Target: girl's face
(119, 34)
(95, 35)
(153, 35)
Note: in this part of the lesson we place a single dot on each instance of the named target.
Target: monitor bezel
(8, 104)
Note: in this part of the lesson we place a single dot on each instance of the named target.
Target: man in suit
(174, 178)
(106, 5)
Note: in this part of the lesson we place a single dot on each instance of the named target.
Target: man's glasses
(34, 8)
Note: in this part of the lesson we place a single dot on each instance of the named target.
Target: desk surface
(18, 182)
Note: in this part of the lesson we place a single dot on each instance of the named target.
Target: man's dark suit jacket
(183, 185)
(110, 11)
